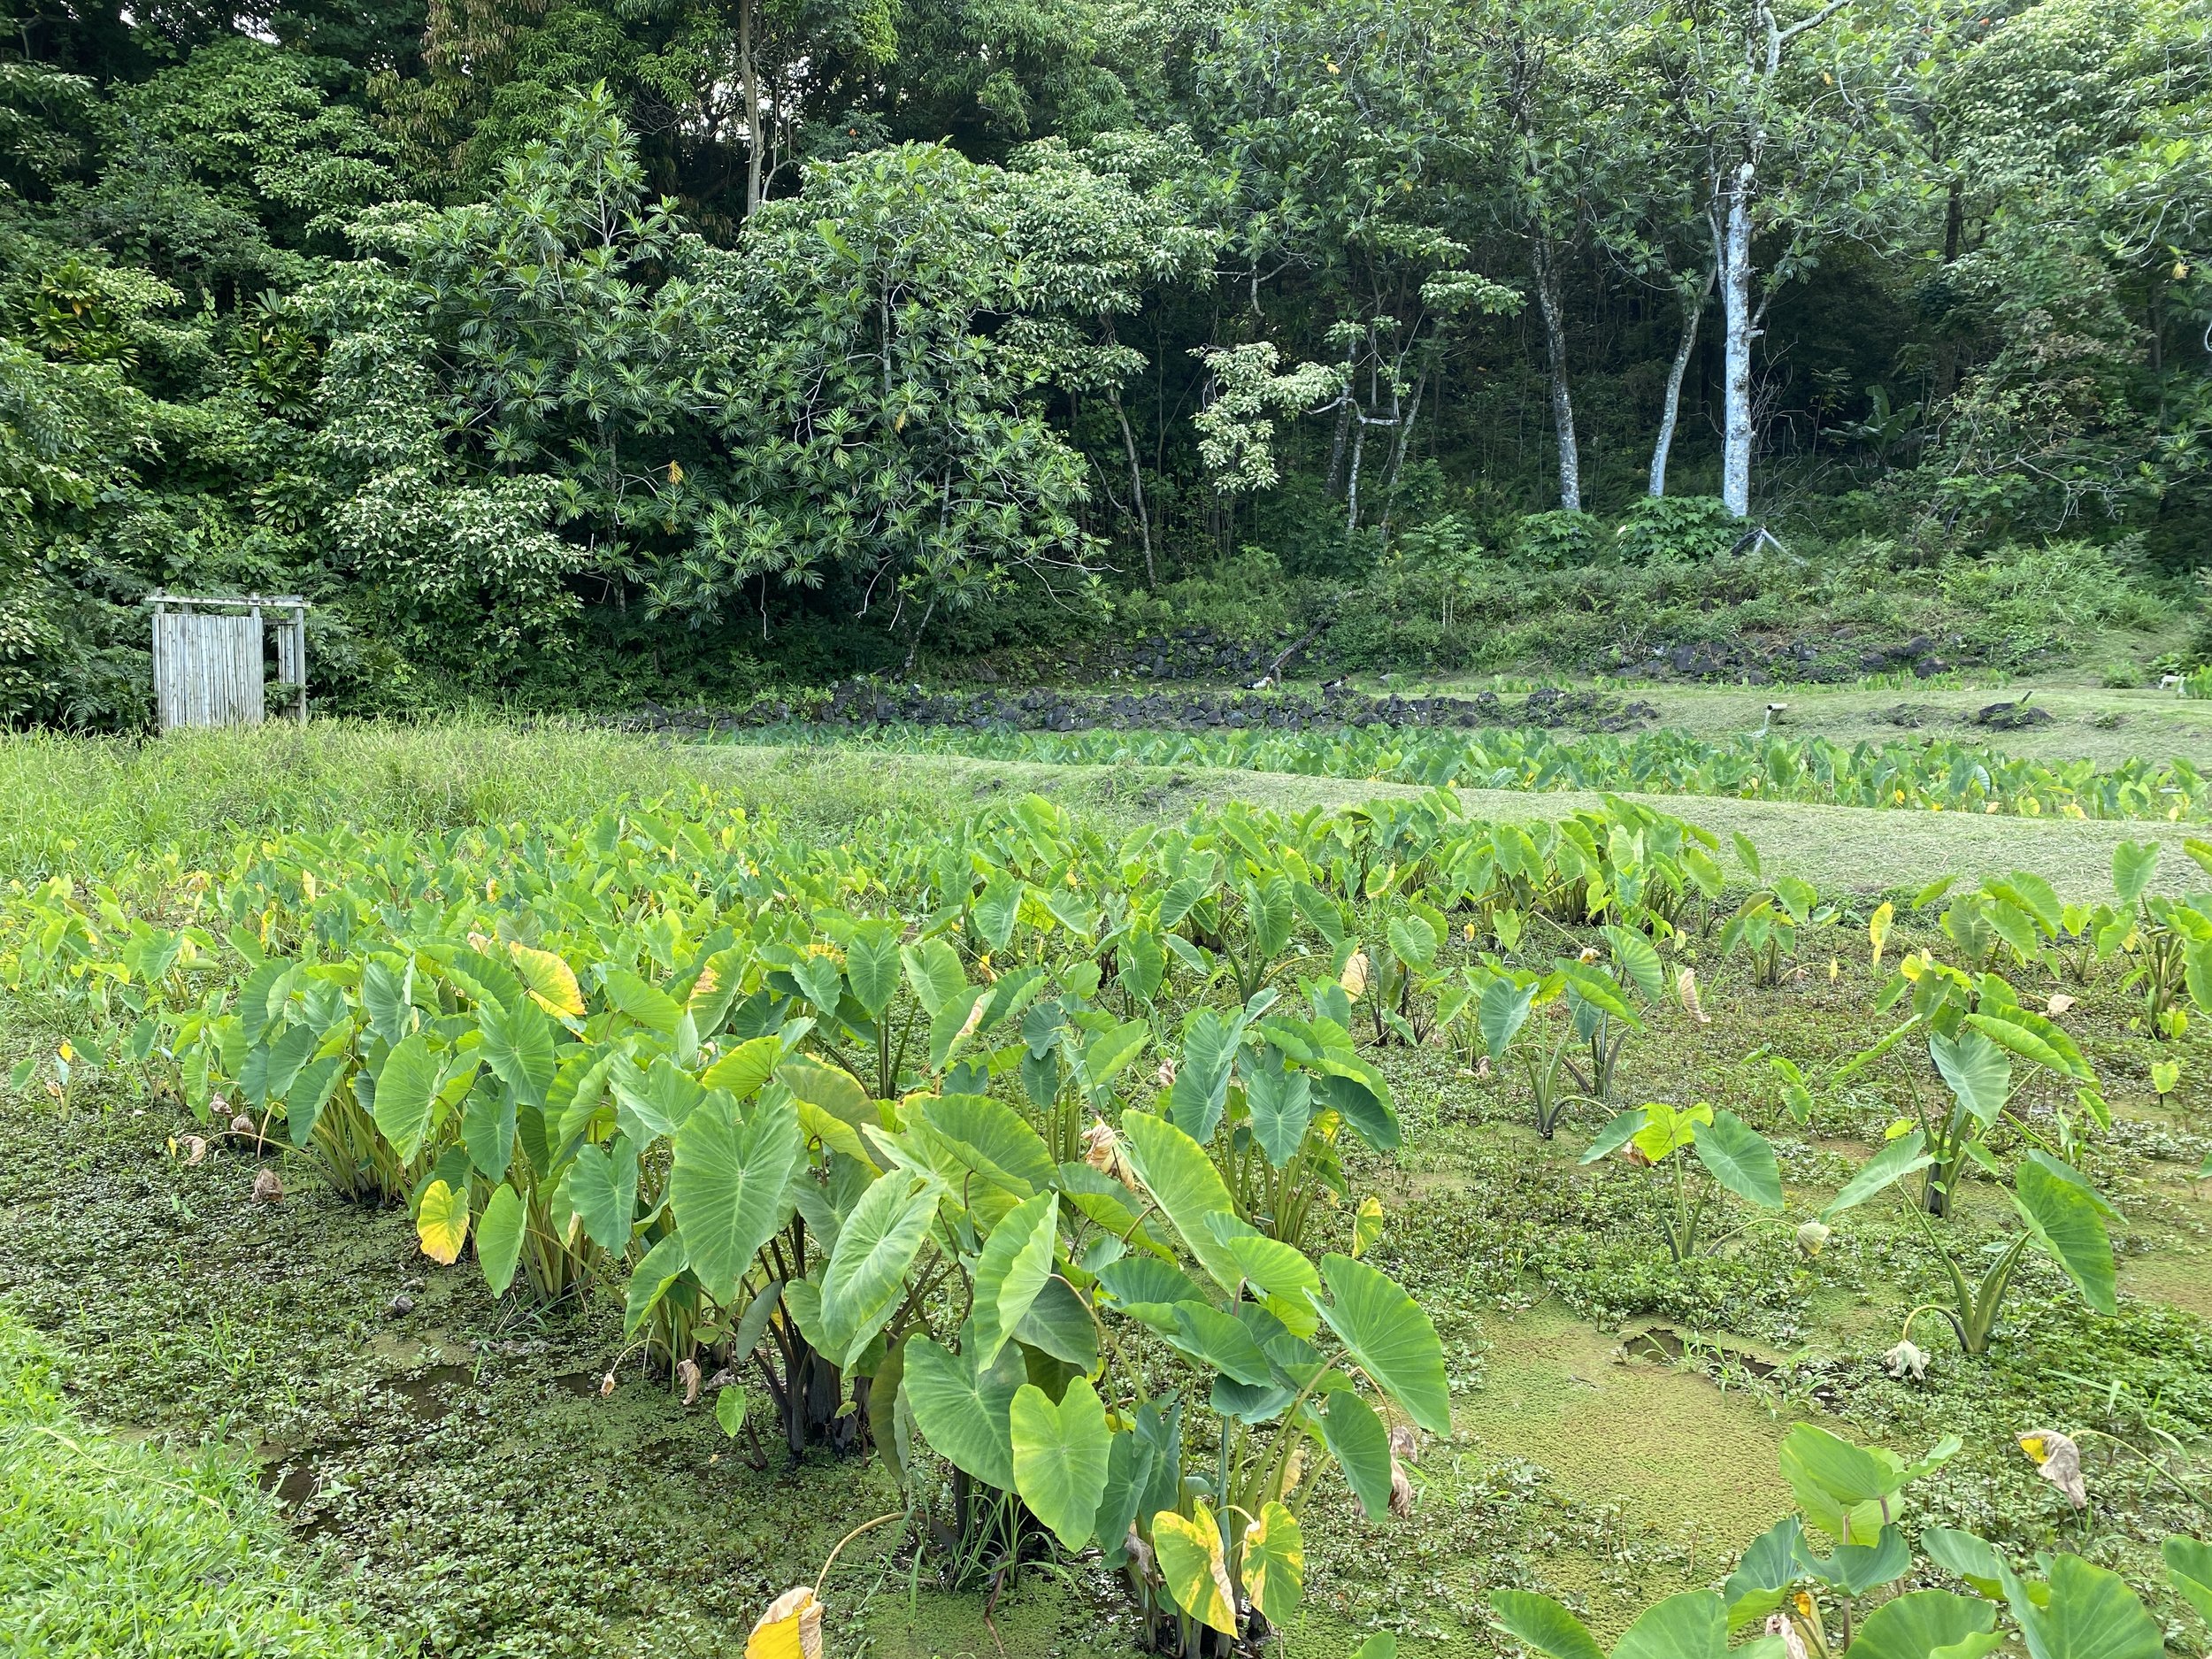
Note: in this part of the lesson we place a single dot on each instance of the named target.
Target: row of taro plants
(1942, 775)
(1008, 1149)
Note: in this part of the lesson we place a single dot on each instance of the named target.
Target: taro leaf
(820, 979)
(1636, 954)
(1191, 1564)
(1362, 1102)
(1128, 1470)
(1281, 1102)
(1978, 1072)
(932, 968)
(1382, 1645)
(832, 1107)
(487, 1130)
(994, 1140)
(602, 1189)
(2067, 1223)
(746, 1067)
(1142, 963)
(1390, 1338)
(648, 1004)
(1540, 1623)
(1182, 1179)
(1110, 1050)
(752, 1325)
(2034, 1038)
(872, 966)
(550, 982)
(995, 909)
(1146, 1288)
(876, 1246)
(1970, 1557)
(441, 1222)
(1855, 1568)
(884, 1416)
(2132, 863)
(518, 1047)
(1015, 1262)
(2090, 1614)
(1766, 1572)
(727, 1186)
(1212, 1337)
(386, 995)
(1279, 1269)
(1901, 1157)
(650, 1280)
(1692, 1625)
(499, 1238)
(1274, 1564)
(1741, 1160)
(1502, 1012)
(1202, 1076)
(2189, 1564)
(1624, 1128)
(309, 1093)
(1929, 1624)
(963, 1414)
(730, 1401)
(1412, 941)
(1057, 1324)
(1833, 1468)
(1359, 1444)
(406, 1094)
(1060, 1457)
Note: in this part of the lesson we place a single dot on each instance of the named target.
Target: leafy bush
(1688, 527)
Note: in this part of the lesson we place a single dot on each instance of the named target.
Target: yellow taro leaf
(1275, 1564)
(1367, 1225)
(1189, 1554)
(550, 982)
(442, 1223)
(790, 1629)
(1877, 929)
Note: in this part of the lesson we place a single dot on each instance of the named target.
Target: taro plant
(2075, 1611)
(1853, 1497)
(1773, 923)
(2058, 1213)
(1663, 1140)
(1055, 1424)
(1975, 1029)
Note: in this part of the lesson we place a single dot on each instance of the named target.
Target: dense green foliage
(575, 351)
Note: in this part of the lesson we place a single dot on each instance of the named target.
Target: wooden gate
(210, 658)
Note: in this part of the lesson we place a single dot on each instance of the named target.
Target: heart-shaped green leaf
(1060, 1457)
(961, 1413)
(729, 1184)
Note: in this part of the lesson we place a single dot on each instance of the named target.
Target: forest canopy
(579, 350)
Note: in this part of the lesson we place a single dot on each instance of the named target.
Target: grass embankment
(109, 1549)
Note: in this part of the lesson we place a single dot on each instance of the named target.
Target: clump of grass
(109, 1550)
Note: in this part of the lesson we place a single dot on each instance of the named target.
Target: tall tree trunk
(1947, 363)
(1671, 410)
(1563, 408)
(1136, 491)
(749, 81)
(1735, 293)
(1351, 493)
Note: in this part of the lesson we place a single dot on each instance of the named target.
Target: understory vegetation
(1363, 1227)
